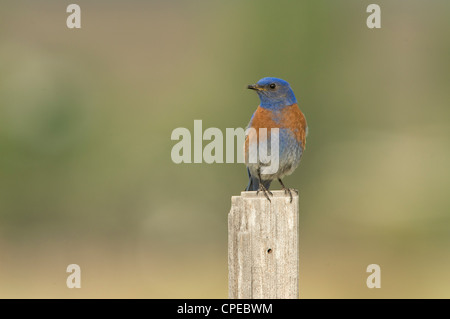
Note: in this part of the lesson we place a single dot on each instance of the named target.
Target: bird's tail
(253, 183)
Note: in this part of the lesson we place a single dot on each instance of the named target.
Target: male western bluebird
(278, 109)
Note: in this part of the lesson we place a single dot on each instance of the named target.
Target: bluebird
(278, 109)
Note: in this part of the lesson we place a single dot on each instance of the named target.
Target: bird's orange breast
(290, 118)
(293, 119)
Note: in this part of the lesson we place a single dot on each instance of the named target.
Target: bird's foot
(266, 192)
(289, 191)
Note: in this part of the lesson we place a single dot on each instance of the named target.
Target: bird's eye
(272, 86)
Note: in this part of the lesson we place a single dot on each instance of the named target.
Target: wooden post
(263, 246)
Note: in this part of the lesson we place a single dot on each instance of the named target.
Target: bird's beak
(255, 87)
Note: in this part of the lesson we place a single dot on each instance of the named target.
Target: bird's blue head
(274, 93)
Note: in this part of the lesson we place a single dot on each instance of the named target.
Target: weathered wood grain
(263, 246)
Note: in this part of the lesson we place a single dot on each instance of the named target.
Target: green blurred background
(86, 118)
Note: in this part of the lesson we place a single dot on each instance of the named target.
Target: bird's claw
(266, 192)
(289, 191)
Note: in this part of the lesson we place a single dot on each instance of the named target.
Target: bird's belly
(290, 152)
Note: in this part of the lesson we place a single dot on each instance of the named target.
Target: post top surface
(276, 193)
